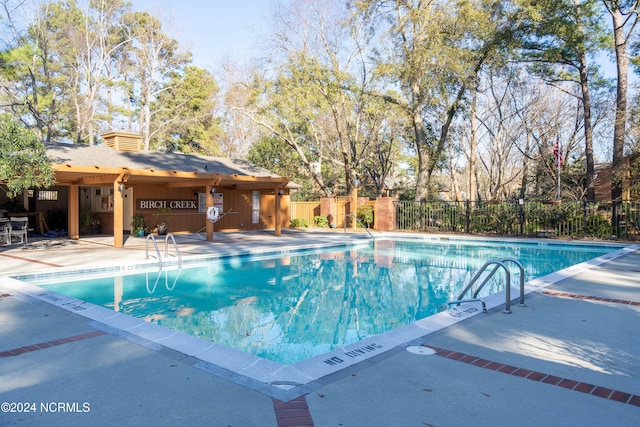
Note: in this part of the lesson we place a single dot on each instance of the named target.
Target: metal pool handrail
(155, 245)
(175, 246)
(166, 248)
(356, 218)
(498, 264)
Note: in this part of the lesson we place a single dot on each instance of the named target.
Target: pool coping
(283, 382)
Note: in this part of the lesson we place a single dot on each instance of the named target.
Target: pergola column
(73, 214)
(118, 213)
(279, 193)
(209, 225)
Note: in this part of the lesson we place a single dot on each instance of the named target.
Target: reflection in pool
(289, 308)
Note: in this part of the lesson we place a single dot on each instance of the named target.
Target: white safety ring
(213, 213)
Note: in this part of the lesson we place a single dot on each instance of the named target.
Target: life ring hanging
(213, 213)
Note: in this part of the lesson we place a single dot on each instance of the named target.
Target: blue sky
(214, 29)
(217, 29)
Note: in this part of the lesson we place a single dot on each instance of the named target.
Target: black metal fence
(566, 219)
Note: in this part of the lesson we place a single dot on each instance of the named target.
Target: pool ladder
(158, 256)
(497, 265)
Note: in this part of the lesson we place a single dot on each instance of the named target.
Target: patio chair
(19, 228)
(5, 231)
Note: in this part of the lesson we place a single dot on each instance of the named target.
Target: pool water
(288, 308)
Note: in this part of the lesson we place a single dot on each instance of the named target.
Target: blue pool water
(287, 308)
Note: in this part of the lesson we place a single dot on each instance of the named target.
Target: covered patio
(117, 182)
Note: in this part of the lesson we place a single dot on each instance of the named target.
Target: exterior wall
(178, 220)
(239, 202)
(268, 210)
(631, 177)
(603, 185)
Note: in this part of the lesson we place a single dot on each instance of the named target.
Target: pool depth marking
(598, 391)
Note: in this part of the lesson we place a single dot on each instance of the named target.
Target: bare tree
(624, 17)
(155, 57)
(240, 131)
(94, 36)
(501, 132)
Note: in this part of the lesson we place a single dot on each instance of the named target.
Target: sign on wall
(145, 204)
(202, 202)
(218, 201)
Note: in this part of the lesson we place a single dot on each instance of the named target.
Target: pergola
(75, 176)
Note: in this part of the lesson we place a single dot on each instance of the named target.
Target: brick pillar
(385, 214)
(328, 207)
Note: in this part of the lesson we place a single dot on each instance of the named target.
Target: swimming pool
(293, 306)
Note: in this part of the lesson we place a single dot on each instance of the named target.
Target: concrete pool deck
(570, 357)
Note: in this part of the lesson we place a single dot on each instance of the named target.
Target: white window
(51, 195)
(255, 207)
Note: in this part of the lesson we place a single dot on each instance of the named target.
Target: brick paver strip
(35, 261)
(52, 343)
(288, 414)
(603, 392)
(294, 413)
(590, 298)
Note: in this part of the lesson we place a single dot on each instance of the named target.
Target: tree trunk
(525, 168)
(622, 63)
(473, 147)
(455, 187)
(422, 175)
(586, 106)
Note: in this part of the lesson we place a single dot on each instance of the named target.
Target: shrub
(320, 221)
(598, 226)
(365, 215)
(298, 222)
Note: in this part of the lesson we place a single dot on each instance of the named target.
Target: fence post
(467, 222)
(521, 215)
(615, 218)
(584, 218)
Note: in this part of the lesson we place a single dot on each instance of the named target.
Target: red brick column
(328, 207)
(385, 214)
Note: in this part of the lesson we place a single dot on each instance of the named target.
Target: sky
(213, 29)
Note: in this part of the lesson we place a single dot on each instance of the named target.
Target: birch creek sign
(167, 204)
